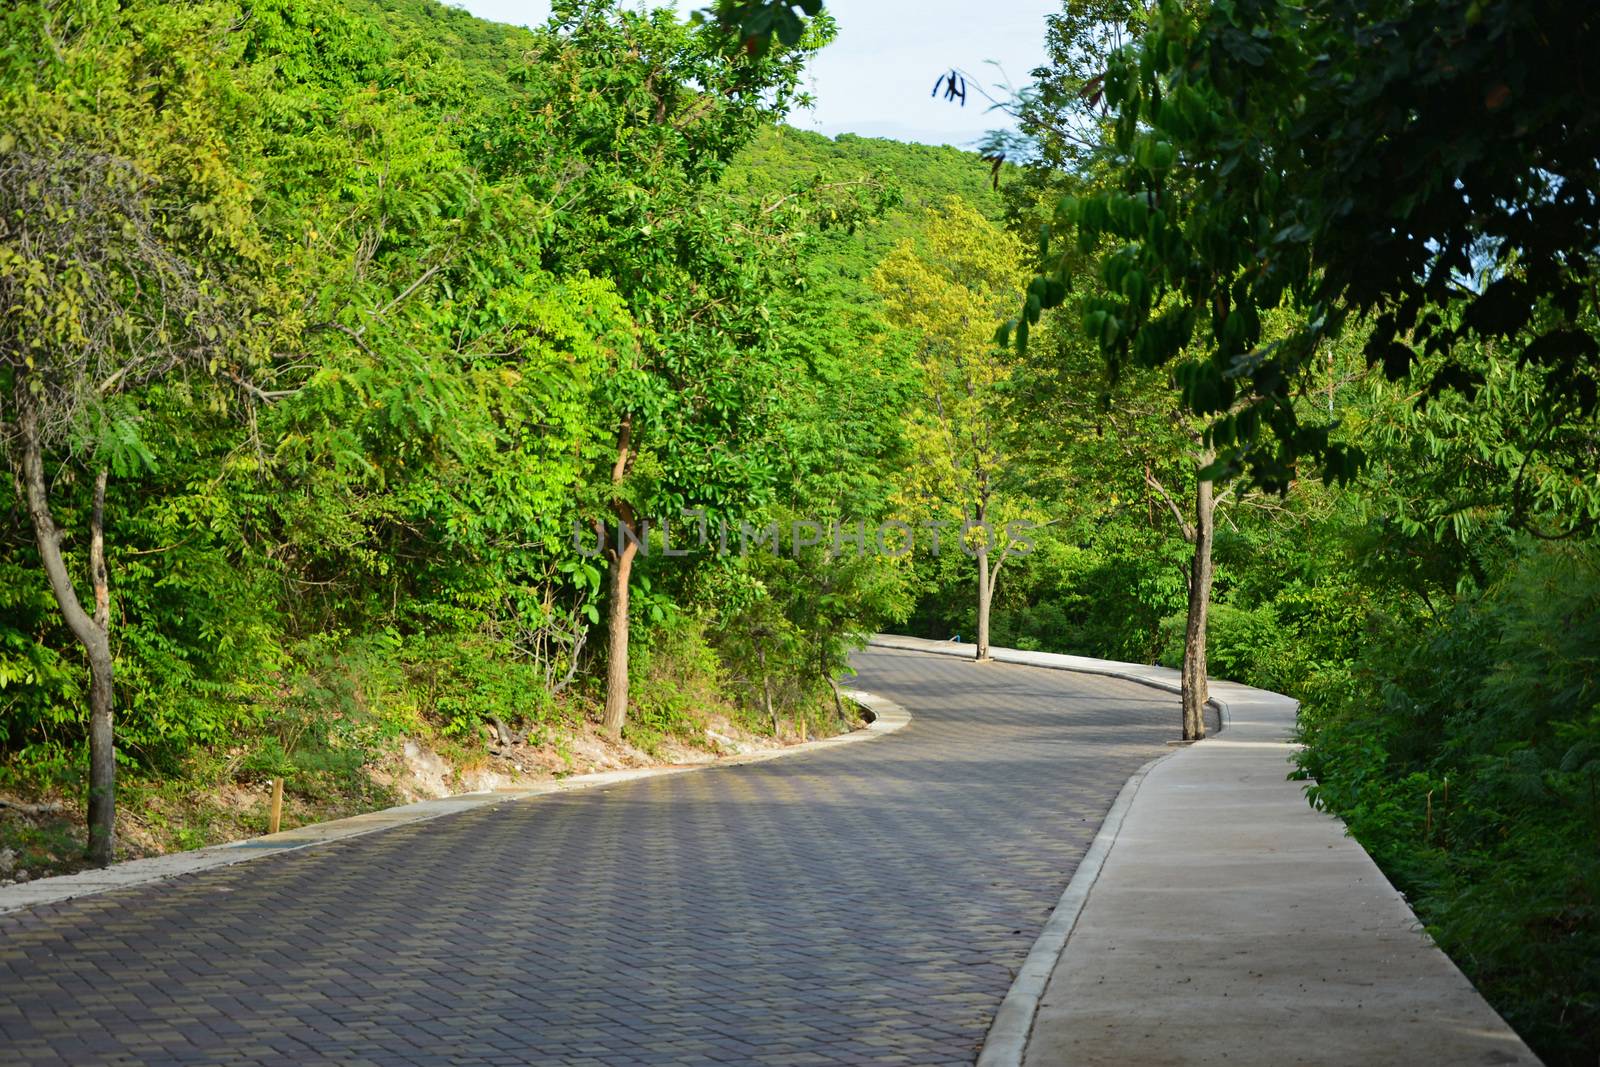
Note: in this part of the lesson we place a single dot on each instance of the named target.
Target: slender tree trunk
(616, 713)
(102, 739)
(92, 632)
(766, 690)
(617, 660)
(838, 701)
(1195, 690)
(994, 583)
(985, 596)
(985, 587)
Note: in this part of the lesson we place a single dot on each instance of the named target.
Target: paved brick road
(864, 904)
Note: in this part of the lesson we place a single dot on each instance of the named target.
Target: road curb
(1013, 1022)
(887, 717)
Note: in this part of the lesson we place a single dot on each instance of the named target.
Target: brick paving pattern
(867, 904)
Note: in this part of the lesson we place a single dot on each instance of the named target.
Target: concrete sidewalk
(1227, 921)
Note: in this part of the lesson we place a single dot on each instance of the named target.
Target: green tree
(637, 117)
(1132, 439)
(948, 297)
(129, 260)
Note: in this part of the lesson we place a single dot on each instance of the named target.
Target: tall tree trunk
(102, 738)
(985, 587)
(622, 555)
(766, 690)
(92, 632)
(617, 627)
(1195, 690)
(988, 599)
(985, 595)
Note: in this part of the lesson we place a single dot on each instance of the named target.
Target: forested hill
(916, 180)
(489, 50)
(925, 175)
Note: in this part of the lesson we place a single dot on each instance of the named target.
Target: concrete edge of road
(1013, 1021)
(887, 717)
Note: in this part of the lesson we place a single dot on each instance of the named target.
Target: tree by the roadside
(1095, 441)
(636, 116)
(948, 293)
(128, 265)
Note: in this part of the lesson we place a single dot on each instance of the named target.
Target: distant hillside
(785, 158)
(448, 30)
(926, 173)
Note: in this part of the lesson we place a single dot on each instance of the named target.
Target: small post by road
(276, 817)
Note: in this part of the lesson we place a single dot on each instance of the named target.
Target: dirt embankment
(43, 835)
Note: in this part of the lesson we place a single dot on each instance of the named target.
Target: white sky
(875, 80)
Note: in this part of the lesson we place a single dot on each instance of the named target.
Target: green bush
(676, 679)
(1241, 645)
(1464, 754)
(461, 681)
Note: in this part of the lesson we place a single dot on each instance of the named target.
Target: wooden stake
(276, 818)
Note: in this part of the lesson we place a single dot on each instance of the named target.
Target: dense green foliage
(445, 260)
(1464, 752)
(1255, 150)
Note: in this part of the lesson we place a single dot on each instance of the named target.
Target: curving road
(862, 904)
